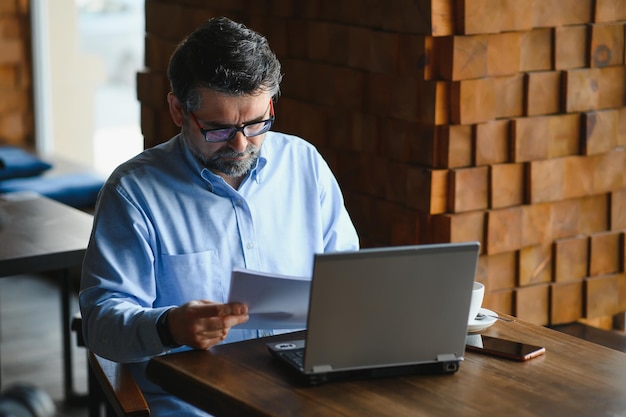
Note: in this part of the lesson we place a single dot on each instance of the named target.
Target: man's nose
(239, 143)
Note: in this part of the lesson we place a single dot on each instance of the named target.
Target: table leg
(71, 397)
(0, 357)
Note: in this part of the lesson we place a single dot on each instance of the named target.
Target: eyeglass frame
(267, 125)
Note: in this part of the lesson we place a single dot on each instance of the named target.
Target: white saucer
(478, 325)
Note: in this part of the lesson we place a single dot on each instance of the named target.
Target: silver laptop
(385, 311)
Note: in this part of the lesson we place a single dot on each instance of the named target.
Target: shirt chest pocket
(192, 276)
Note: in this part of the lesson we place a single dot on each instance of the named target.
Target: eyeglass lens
(253, 129)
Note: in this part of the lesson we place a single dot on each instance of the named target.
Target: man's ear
(176, 109)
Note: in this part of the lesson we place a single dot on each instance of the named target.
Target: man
(172, 223)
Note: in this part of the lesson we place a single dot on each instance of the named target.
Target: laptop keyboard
(295, 356)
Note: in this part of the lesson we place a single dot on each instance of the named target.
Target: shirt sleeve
(339, 231)
(117, 285)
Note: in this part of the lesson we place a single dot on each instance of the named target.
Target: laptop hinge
(446, 357)
(322, 368)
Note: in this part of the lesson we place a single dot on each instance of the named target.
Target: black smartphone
(502, 347)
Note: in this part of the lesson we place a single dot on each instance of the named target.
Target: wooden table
(573, 378)
(38, 234)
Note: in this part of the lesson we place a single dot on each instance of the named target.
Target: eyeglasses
(224, 134)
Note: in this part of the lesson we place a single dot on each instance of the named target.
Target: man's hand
(202, 324)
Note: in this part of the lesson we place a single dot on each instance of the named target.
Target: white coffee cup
(478, 293)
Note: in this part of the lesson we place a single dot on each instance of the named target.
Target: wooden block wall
(16, 104)
(502, 121)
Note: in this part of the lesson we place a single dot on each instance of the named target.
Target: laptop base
(312, 379)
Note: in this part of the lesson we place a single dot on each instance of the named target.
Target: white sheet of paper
(274, 301)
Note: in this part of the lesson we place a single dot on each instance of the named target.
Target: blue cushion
(78, 190)
(16, 162)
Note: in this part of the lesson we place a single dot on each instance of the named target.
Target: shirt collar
(213, 179)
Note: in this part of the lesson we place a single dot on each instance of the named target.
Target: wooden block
(359, 205)
(621, 127)
(318, 39)
(364, 130)
(535, 217)
(532, 304)
(297, 84)
(395, 191)
(607, 44)
(492, 142)
(545, 180)
(535, 265)
(623, 267)
(434, 102)
(528, 142)
(152, 87)
(504, 230)
(441, 16)
(509, 100)
(378, 93)
(348, 92)
(609, 11)
(157, 52)
(373, 178)
(503, 53)
(566, 302)
(564, 135)
(416, 56)
(593, 214)
(427, 189)
(458, 227)
(442, 102)
(404, 227)
(383, 50)
(604, 253)
(565, 218)
(9, 76)
(506, 185)
(499, 301)
(381, 231)
(472, 101)
(339, 43)
(605, 295)
(570, 47)
(571, 259)
(340, 136)
(609, 171)
(453, 146)
(481, 269)
(346, 166)
(581, 90)
(617, 218)
(578, 176)
(478, 16)
(404, 101)
(314, 127)
(468, 189)
(536, 50)
(461, 57)
(543, 92)
(501, 271)
(611, 84)
(599, 131)
(515, 15)
(548, 13)
(420, 141)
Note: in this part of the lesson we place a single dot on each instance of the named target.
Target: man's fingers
(209, 309)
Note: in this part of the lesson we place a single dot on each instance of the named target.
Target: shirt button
(250, 245)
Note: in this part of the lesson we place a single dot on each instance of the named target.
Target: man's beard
(220, 161)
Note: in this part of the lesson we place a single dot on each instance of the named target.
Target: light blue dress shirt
(168, 231)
